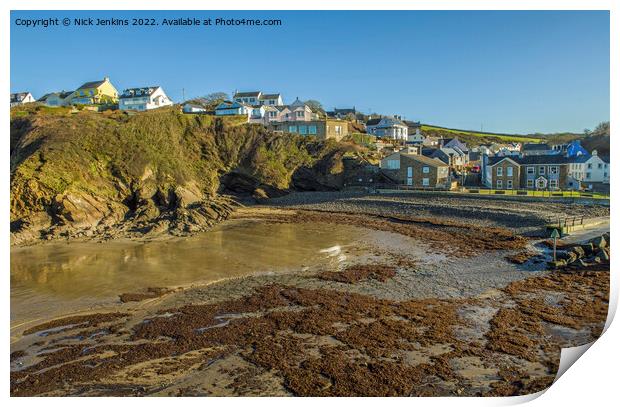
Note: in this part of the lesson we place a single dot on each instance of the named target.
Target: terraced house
(95, 93)
(538, 172)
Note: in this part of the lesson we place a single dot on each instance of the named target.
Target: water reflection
(63, 276)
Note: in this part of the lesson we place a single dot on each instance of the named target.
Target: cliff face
(112, 174)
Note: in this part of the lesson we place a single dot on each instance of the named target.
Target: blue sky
(505, 71)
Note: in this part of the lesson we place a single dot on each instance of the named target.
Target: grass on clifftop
(111, 154)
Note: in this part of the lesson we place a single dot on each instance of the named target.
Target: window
(530, 183)
(500, 184)
(588, 175)
(509, 172)
(530, 170)
(541, 170)
(500, 171)
(311, 129)
(393, 164)
(553, 183)
(272, 114)
(338, 129)
(553, 170)
(292, 129)
(299, 114)
(605, 175)
(509, 184)
(410, 171)
(425, 169)
(303, 129)
(600, 166)
(590, 166)
(425, 182)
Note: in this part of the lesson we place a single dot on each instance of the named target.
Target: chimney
(106, 78)
(594, 153)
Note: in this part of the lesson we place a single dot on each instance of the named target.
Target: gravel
(520, 215)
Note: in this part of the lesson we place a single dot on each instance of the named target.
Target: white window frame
(553, 183)
(500, 171)
(425, 182)
(531, 170)
(509, 171)
(530, 183)
(509, 184)
(541, 170)
(554, 170)
(409, 172)
(426, 169)
(499, 184)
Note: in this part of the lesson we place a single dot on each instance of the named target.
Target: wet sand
(438, 311)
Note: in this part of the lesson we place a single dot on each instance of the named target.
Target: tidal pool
(59, 278)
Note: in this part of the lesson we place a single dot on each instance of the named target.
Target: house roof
(535, 147)
(18, 97)
(138, 92)
(62, 95)
(426, 160)
(93, 84)
(246, 94)
(270, 96)
(533, 159)
(372, 122)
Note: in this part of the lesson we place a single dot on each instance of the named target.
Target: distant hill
(480, 137)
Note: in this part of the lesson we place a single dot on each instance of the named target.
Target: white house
(147, 98)
(56, 98)
(258, 98)
(228, 108)
(587, 169)
(416, 138)
(20, 98)
(388, 127)
(192, 108)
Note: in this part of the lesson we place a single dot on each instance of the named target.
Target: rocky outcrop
(592, 253)
(110, 174)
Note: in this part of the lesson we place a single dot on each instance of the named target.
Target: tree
(602, 129)
(211, 100)
(315, 105)
(587, 132)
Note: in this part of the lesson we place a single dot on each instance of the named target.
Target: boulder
(599, 242)
(588, 249)
(578, 251)
(603, 255)
(556, 264)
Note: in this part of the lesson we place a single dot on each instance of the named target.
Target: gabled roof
(94, 84)
(138, 92)
(372, 122)
(426, 160)
(535, 147)
(533, 160)
(18, 97)
(270, 96)
(247, 94)
(497, 159)
(544, 159)
(62, 95)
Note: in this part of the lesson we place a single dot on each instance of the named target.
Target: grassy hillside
(473, 137)
(160, 169)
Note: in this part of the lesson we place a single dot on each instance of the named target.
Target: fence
(500, 192)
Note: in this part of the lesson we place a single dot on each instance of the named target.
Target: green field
(468, 134)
